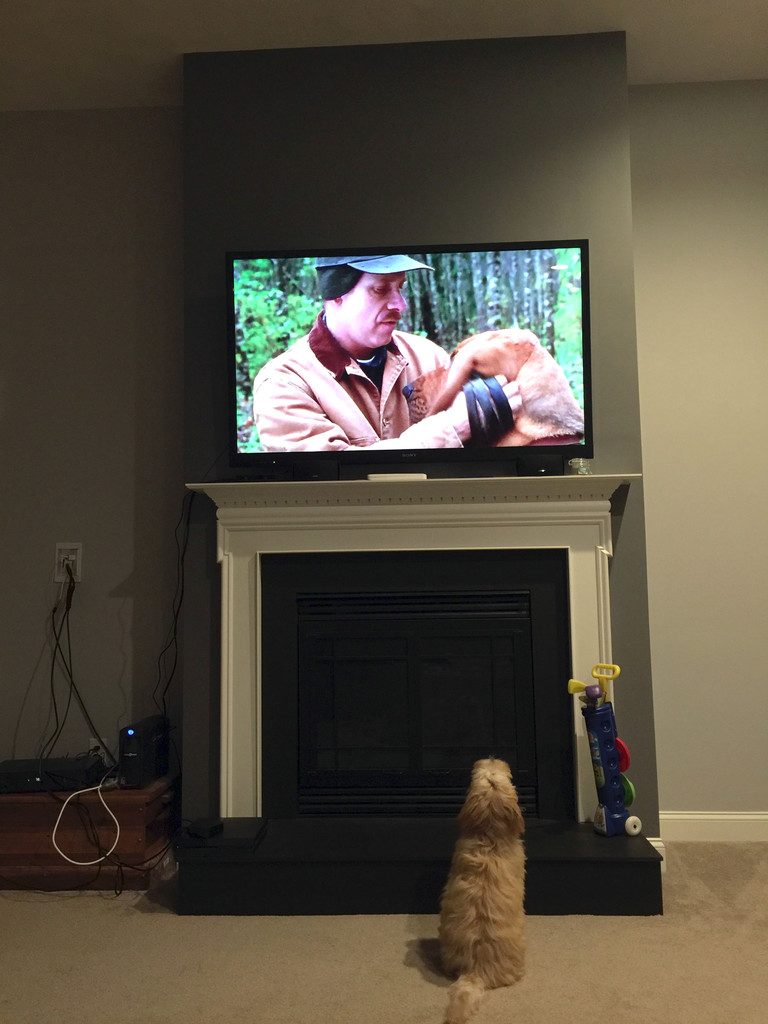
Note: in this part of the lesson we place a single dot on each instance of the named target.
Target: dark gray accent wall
(477, 141)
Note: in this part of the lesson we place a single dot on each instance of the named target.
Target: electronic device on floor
(143, 752)
(47, 774)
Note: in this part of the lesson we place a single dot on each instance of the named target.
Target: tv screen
(468, 359)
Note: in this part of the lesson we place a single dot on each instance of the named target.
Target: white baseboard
(658, 845)
(714, 826)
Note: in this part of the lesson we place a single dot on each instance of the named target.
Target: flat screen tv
(449, 360)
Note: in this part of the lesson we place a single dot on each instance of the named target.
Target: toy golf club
(610, 755)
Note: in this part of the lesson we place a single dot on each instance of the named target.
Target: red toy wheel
(623, 750)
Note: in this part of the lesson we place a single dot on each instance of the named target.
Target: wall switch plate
(68, 554)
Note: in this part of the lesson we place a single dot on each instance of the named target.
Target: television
(444, 360)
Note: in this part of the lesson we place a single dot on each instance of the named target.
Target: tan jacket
(315, 397)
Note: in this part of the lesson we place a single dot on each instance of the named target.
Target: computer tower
(143, 752)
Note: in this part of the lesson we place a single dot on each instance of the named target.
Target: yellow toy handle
(605, 673)
(602, 672)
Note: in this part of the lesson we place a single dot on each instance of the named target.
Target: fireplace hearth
(376, 638)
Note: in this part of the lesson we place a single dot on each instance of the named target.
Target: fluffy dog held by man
(549, 414)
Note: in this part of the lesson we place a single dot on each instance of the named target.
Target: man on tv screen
(345, 385)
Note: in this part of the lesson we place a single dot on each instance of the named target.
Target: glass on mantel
(580, 467)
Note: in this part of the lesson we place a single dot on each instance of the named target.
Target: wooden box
(28, 858)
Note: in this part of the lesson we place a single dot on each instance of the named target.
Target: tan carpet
(77, 958)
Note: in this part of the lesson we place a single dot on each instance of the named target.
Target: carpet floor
(83, 958)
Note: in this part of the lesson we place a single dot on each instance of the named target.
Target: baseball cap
(373, 264)
(336, 275)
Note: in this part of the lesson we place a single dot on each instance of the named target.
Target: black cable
(94, 731)
(57, 649)
(48, 746)
(178, 600)
(52, 684)
(142, 865)
(54, 781)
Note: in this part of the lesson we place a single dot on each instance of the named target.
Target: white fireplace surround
(516, 513)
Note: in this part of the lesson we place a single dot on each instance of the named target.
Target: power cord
(46, 747)
(182, 540)
(66, 662)
(79, 792)
(181, 549)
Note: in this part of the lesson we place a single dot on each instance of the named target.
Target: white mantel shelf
(490, 490)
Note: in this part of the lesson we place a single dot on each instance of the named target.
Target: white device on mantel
(396, 477)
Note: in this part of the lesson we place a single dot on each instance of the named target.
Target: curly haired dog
(481, 911)
(550, 413)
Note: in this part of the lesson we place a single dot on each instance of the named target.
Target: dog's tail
(464, 998)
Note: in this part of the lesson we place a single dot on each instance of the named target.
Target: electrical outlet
(68, 554)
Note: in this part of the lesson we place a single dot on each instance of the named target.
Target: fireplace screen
(385, 675)
(398, 693)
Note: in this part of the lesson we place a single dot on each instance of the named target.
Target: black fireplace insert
(385, 675)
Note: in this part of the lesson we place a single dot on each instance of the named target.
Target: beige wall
(700, 200)
(90, 406)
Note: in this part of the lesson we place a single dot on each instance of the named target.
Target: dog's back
(481, 915)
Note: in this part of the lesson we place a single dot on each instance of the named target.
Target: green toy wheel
(629, 791)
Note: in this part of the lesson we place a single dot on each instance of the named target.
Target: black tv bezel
(460, 463)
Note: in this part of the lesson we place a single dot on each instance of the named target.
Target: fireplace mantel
(567, 512)
(397, 490)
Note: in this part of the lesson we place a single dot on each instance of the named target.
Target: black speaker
(143, 752)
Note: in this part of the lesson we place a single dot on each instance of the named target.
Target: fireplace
(570, 514)
(385, 675)
(464, 606)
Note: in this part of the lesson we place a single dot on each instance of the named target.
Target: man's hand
(493, 352)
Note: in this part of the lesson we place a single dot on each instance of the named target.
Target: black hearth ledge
(357, 865)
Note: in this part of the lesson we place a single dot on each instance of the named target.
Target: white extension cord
(91, 789)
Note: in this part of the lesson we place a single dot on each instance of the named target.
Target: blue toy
(610, 756)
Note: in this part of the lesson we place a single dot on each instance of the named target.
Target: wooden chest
(29, 859)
